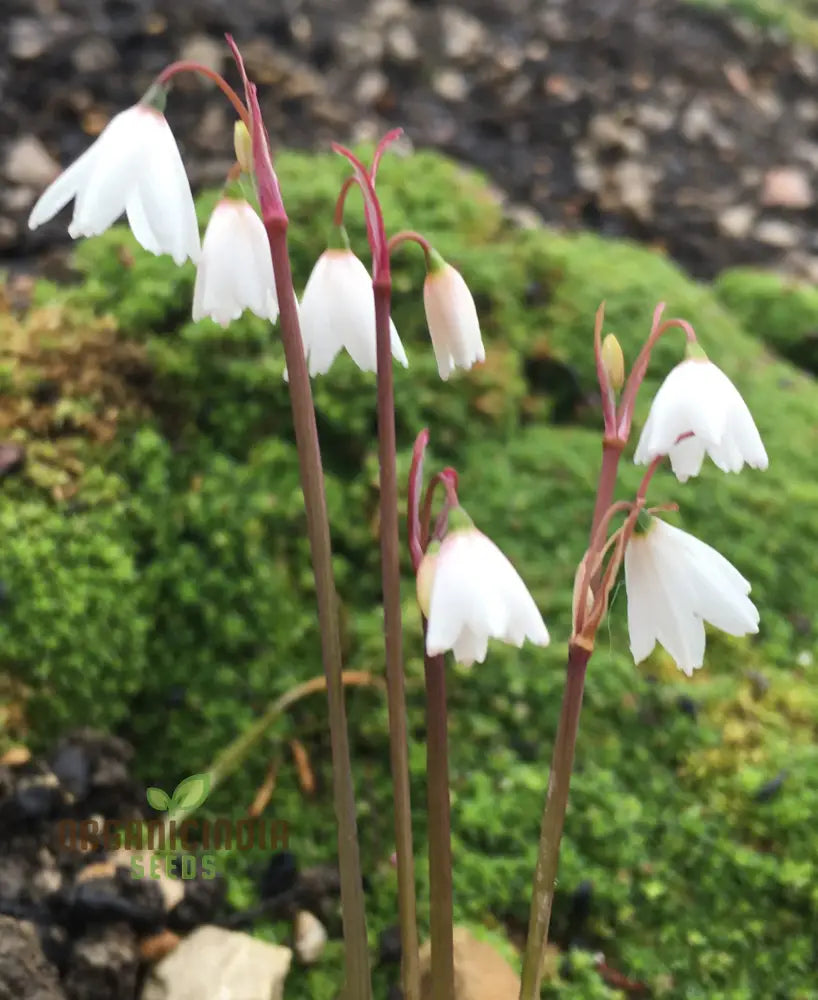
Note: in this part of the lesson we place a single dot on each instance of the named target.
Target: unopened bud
(613, 361)
(243, 145)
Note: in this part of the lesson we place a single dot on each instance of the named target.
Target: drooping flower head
(133, 167)
(452, 318)
(470, 593)
(675, 583)
(338, 312)
(236, 270)
(698, 411)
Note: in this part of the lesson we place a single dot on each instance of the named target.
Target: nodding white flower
(452, 318)
(697, 399)
(470, 593)
(675, 583)
(236, 270)
(134, 167)
(338, 311)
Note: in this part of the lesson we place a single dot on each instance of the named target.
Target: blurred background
(155, 590)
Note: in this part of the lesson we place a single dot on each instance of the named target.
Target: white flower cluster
(134, 167)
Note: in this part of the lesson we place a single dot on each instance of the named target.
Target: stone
(451, 85)
(27, 38)
(104, 964)
(29, 162)
(372, 85)
(463, 35)
(776, 233)
(205, 50)
(94, 55)
(736, 221)
(25, 973)
(217, 964)
(480, 972)
(172, 889)
(401, 44)
(787, 187)
(309, 937)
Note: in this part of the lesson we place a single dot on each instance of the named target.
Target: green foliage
(181, 598)
(779, 310)
(797, 18)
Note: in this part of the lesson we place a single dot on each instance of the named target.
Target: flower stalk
(440, 837)
(358, 984)
(390, 556)
(393, 638)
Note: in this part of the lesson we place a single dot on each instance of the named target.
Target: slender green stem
(390, 575)
(356, 951)
(236, 752)
(562, 762)
(440, 839)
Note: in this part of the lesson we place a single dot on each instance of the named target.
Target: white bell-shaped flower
(338, 311)
(235, 270)
(134, 167)
(675, 583)
(470, 593)
(452, 318)
(698, 411)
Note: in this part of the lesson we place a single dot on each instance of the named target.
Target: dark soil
(643, 118)
(77, 925)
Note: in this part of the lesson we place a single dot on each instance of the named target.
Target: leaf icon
(158, 799)
(191, 792)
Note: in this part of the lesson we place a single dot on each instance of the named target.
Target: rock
(94, 55)
(202, 899)
(401, 44)
(737, 221)
(451, 85)
(787, 187)
(172, 890)
(103, 965)
(25, 973)
(777, 233)
(480, 972)
(213, 964)
(463, 34)
(208, 51)
(27, 37)
(371, 87)
(29, 162)
(279, 876)
(137, 902)
(309, 936)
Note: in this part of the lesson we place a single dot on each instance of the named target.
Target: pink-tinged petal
(452, 318)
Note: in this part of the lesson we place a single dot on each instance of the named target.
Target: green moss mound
(691, 829)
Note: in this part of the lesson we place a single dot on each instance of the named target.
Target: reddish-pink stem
(413, 500)
(406, 236)
(190, 66)
(375, 229)
(380, 149)
(338, 216)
